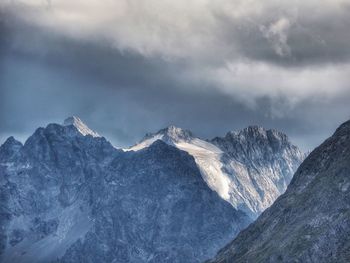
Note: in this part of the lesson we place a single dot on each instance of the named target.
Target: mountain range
(68, 195)
(249, 168)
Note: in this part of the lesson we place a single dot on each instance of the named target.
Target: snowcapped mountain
(310, 222)
(68, 195)
(206, 155)
(249, 168)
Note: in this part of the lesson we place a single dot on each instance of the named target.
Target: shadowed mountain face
(311, 221)
(67, 195)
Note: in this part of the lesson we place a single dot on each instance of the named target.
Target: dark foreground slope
(66, 197)
(311, 221)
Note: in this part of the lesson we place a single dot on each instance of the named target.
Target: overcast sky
(131, 67)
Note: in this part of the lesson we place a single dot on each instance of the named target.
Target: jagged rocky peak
(257, 140)
(257, 132)
(176, 134)
(170, 135)
(10, 147)
(12, 142)
(80, 125)
(253, 129)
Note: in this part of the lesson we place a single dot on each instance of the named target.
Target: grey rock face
(262, 163)
(70, 196)
(311, 221)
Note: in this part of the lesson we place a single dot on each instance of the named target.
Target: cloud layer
(201, 30)
(273, 63)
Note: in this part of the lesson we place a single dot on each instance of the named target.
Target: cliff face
(261, 164)
(310, 222)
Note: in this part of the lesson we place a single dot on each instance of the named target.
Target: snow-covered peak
(80, 126)
(249, 168)
(171, 135)
(175, 134)
(207, 156)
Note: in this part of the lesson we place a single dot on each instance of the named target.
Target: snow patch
(145, 143)
(208, 159)
(81, 126)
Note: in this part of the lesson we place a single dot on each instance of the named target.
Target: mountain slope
(311, 221)
(249, 169)
(70, 196)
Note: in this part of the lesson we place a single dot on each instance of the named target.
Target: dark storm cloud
(288, 33)
(222, 69)
(122, 95)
